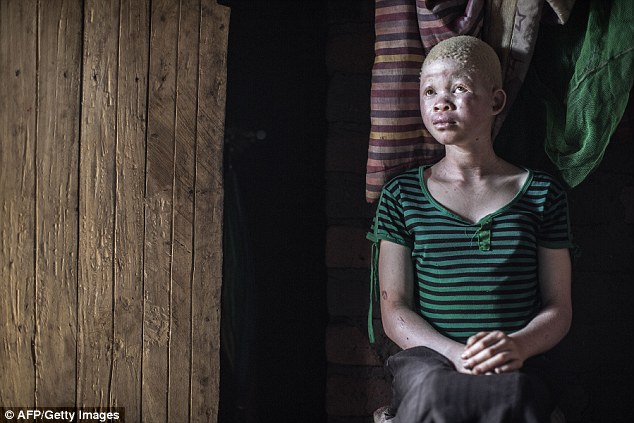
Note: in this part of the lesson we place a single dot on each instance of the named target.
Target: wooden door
(111, 137)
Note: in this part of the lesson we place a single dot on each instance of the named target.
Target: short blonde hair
(474, 55)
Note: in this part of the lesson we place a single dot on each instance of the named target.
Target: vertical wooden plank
(97, 203)
(18, 28)
(183, 213)
(130, 182)
(208, 212)
(158, 210)
(56, 165)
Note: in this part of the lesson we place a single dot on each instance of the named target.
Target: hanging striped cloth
(405, 32)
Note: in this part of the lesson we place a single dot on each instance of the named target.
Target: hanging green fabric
(374, 287)
(581, 122)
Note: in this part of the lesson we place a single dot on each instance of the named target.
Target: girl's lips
(443, 123)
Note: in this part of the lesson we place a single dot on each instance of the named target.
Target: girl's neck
(470, 163)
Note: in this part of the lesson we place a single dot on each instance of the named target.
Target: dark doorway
(274, 294)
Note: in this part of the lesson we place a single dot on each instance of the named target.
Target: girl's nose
(442, 104)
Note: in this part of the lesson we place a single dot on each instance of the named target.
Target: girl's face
(457, 104)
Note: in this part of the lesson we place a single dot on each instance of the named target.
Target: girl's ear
(499, 100)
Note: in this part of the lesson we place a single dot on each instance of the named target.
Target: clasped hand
(491, 352)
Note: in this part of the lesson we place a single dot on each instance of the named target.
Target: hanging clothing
(599, 68)
(405, 31)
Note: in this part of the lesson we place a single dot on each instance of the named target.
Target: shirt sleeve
(554, 231)
(389, 222)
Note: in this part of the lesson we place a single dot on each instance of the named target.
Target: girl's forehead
(448, 68)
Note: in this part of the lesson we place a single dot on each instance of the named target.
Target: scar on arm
(384, 295)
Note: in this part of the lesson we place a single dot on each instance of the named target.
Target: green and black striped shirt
(473, 277)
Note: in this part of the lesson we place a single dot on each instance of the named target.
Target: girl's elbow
(564, 317)
(568, 319)
(393, 323)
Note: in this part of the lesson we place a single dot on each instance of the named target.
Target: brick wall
(594, 358)
(356, 383)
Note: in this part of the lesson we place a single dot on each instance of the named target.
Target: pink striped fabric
(405, 31)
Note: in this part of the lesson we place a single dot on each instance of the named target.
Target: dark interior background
(296, 70)
(275, 123)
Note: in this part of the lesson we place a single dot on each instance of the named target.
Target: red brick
(356, 396)
(347, 344)
(346, 151)
(349, 292)
(346, 196)
(350, 52)
(348, 99)
(347, 247)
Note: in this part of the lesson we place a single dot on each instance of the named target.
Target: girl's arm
(496, 352)
(401, 323)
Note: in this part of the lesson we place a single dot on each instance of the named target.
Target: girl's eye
(429, 92)
(460, 89)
